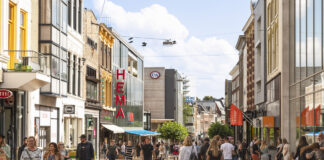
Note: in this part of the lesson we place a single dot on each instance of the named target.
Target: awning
(142, 132)
(114, 128)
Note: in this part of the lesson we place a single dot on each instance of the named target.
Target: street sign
(4, 94)
(69, 109)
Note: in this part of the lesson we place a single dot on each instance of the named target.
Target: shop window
(12, 34)
(72, 132)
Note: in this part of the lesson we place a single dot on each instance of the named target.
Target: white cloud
(191, 54)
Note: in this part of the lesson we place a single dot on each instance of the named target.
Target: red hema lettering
(120, 74)
(120, 113)
(120, 101)
(119, 87)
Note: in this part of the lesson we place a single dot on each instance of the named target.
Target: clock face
(155, 75)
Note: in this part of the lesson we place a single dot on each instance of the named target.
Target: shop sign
(120, 96)
(130, 116)
(236, 116)
(155, 75)
(268, 122)
(106, 116)
(69, 109)
(4, 94)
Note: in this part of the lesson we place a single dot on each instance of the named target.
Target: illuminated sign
(120, 96)
(4, 94)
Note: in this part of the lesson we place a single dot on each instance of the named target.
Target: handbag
(193, 155)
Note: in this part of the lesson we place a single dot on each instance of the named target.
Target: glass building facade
(125, 59)
(307, 72)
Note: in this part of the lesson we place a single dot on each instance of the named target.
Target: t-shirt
(112, 150)
(227, 149)
(147, 151)
(128, 153)
(35, 155)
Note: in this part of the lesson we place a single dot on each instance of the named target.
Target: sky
(206, 32)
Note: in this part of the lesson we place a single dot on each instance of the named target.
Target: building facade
(228, 100)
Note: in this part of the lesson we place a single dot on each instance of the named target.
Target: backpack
(193, 155)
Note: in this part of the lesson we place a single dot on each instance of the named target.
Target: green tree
(209, 98)
(219, 129)
(187, 112)
(173, 131)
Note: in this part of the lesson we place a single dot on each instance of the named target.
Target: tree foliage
(219, 129)
(187, 112)
(209, 98)
(173, 131)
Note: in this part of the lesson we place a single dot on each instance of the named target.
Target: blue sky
(206, 27)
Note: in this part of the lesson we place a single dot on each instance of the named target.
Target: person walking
(4, 148)
(123, 148)
(302, 143)
(285, 150)
(129, 151)
(279, 155)
(203, 150)
(147, 149)
(320, 153)
(167, 150)
(63, 151)
(227, 149)
(264, 150)
(241, 152)
(31, 151)
(84, 149)
(162, 151)
(256, 150)
(213, 152)
(22, 147)
(138, 150)
(112, 150)
(234, 153)
(53, 153)
(187, 150)
(309, 152)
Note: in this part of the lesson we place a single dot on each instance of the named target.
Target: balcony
(26, 70)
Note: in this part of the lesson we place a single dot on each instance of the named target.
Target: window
(23, 31)
(12, 34)
(64, 17)
(55, 67)
(91, 72)
(74, 75)
(74, 14)
(91, 43)
(69, 72)
(79, 77)
(69, 12)
(79, 16)
(91, 90)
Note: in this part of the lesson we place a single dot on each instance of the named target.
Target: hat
(83, 136)
(2, 136)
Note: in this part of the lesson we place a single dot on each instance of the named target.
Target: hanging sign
(236, 116)
(4, 94)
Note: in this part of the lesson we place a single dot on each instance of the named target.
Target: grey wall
(154, 92)
(170, 93)
(260, 52)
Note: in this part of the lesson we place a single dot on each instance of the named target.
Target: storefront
(73, 116)
(12, 119)
(46, 125)
(91, 128)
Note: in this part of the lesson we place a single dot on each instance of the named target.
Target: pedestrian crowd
(215, 149)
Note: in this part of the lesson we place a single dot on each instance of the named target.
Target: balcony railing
(28, 61)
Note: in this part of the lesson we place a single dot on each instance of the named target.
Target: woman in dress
(264, 150)
(53, 153)
(63, 151)
(279, 149)
(31, 152)
(302, 143)
(213, 152)
(285, 150)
